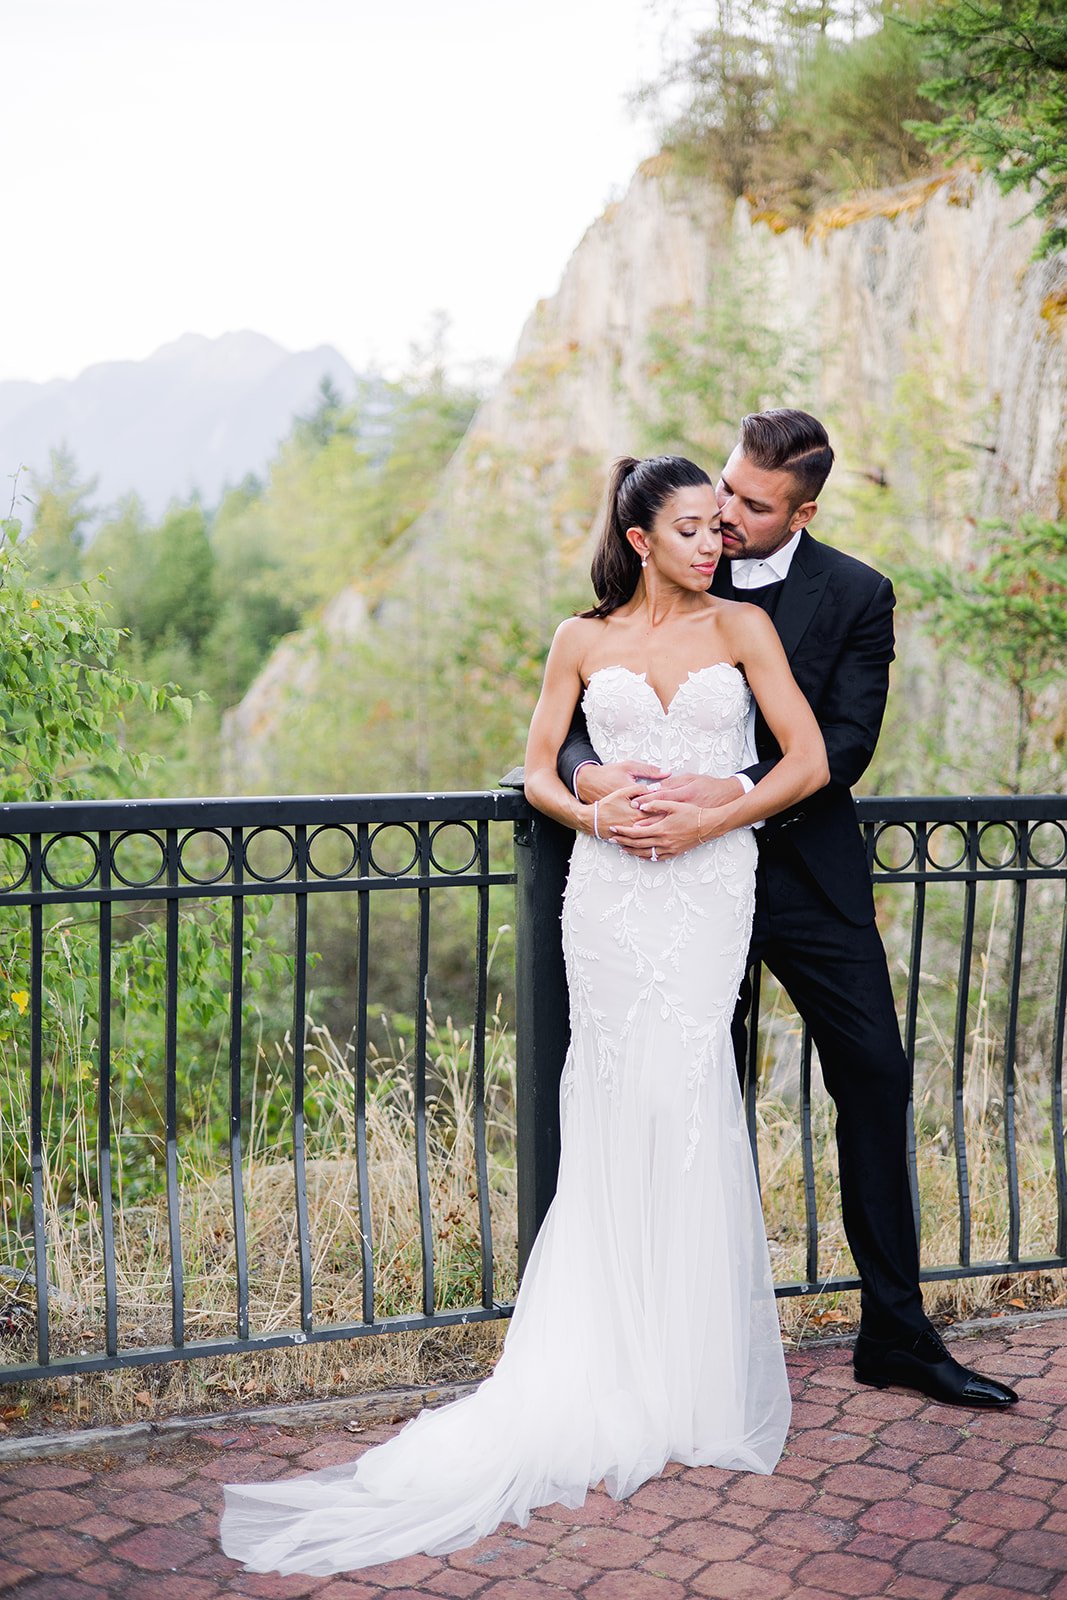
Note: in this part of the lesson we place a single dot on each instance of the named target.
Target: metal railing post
(542, 1026)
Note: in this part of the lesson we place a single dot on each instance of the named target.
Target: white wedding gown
(646, 1328)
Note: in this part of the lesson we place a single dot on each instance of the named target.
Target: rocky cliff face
(935, 348)
(937, 277)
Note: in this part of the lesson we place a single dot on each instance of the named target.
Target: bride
(646, 1328)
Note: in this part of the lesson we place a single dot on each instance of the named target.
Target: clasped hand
(643, 809)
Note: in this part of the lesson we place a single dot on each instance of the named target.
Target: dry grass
(75, 1245)
(984, 1131)
(900, 200)
(142, 1251)
(952, 1300)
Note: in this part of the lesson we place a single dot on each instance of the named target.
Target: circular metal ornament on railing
(466, 833)
(57, 843)
(385, 828)
(934, 842)
(261, 833)
(9, 882)
(322, 833)
(1053, 834)
(891, 841)
(1007, 858)
(205, 833)
(123, 877)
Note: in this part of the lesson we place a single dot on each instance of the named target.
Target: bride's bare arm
(549, 725)
(677, 826)
(789, 717)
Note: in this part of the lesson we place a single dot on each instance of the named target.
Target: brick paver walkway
(878, 1494)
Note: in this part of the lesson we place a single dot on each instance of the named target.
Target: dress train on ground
(646, 1328)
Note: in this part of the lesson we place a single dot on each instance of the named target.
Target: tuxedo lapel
(803, 589)
(801, 592)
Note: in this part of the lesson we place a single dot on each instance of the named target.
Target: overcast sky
(323, 171)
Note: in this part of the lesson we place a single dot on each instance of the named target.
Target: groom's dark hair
(789, 441)
(636, 491)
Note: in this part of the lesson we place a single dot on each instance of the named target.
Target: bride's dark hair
(636, 491)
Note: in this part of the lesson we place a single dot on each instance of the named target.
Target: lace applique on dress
(680, 926)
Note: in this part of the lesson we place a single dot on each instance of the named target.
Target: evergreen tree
(60, 520)
(117, 556)
(1007, 616)
(787, 102)
(328, 416)
(178, 601)
(729, 82)
(1001, 77)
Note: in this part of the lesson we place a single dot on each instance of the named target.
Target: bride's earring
(644, 561)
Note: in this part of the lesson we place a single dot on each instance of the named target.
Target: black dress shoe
(927, 1366)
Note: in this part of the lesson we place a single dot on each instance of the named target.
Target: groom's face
(759, 514)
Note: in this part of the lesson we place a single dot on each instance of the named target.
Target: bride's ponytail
(636, 490)
(616, 564)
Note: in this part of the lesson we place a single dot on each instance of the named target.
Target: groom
(814, 923)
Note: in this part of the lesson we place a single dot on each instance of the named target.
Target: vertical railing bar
(366, 1235)
(300, 907)
(752, 1068)
(542, 1023)
(959, 1049)
(237, 980)
(1010, 1040)
(170, 1054)
(40, 1244)
(103, 1105)
(485, 1221)
(911, 1020)
(421, 1001)
(1056, 1075)
(811, 1212)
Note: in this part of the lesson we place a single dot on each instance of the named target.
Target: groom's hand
(595, 781)
(695, 790)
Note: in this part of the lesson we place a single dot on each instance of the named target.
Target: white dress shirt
(750, 573)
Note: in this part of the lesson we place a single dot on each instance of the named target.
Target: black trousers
(837, 976)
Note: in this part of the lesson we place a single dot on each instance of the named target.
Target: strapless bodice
(702, 730)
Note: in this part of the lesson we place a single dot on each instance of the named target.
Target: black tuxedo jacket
(835, 619)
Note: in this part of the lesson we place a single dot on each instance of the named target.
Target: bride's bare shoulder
(746, 627)
(578, 633)
(573, 639)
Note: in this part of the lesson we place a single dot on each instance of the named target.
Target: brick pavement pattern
(879, 1493)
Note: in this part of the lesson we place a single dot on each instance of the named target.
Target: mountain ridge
(196, 416)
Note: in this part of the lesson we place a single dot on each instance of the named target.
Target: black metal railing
(935, 863)
(979, 844)
(98, 859)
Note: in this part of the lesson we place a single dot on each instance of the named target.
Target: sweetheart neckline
(642, 677)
